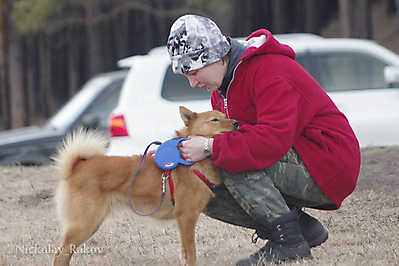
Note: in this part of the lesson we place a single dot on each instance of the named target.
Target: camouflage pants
(254, 197)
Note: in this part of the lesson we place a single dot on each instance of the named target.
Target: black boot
(286, 243)
(312, 230)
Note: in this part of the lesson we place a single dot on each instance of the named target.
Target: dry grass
(365, 231)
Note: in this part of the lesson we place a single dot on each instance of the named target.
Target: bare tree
(356, 18)
(397, 9)
(4, 96)
(311, 18)
(74, 39)
(16, 86)
(279, 21)
(45, 78)
(94, 33)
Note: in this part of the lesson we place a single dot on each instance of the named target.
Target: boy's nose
(193, 82)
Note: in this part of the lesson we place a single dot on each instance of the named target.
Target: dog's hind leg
(83, 221)
(72, 239)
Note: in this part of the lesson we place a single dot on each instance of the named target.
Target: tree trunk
(94, 34)
(159, 24)
(397, 10)
(239, 25)
(344, 14)
(15, 58)
(45, 89)
(73, 62)
(149, 37)
(5, 121)
(356, 18)
(279, 18)
(109, 57)
(362, 21)
(311, 18)
(30, 92)
(121, 32)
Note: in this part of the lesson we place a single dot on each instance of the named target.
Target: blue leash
(134, 178)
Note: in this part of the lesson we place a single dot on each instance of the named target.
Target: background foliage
(49, 48)
(31, 16)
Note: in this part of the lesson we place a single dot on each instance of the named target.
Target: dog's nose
(235, 124)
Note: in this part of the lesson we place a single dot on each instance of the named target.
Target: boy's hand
(192, 149)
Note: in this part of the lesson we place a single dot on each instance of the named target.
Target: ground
(365, 231)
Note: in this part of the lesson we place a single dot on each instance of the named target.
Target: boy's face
(209, 77)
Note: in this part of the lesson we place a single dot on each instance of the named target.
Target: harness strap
(167, 175)
(204, 179)
(171, 185)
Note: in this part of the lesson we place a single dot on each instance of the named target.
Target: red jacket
(279, 106)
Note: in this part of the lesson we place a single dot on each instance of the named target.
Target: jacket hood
(262, 42)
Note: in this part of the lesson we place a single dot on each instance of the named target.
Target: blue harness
(167, 157)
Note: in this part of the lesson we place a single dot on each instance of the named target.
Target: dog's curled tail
(81, 144)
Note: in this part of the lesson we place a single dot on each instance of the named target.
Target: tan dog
(91, 181)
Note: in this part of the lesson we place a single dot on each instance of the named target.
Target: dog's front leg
(186, 222)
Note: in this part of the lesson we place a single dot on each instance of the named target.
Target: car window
(345, 70)
(67, 115)
(99, 111)
(311, 64)
(177, 88)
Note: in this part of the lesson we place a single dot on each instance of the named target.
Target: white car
(359, 75)
(89, 108)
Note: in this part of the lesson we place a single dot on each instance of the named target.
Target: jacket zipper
(225, 107)
(227, 90)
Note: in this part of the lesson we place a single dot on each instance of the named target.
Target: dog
(91, 181)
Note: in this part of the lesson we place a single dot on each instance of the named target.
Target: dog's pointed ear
(186, 115)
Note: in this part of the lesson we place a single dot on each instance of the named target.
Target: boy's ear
(186, 115)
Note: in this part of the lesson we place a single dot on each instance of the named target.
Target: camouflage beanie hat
(195, 42)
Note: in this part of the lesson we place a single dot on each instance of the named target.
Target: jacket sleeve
(280, 118)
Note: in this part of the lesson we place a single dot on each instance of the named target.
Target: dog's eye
(215, 120)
